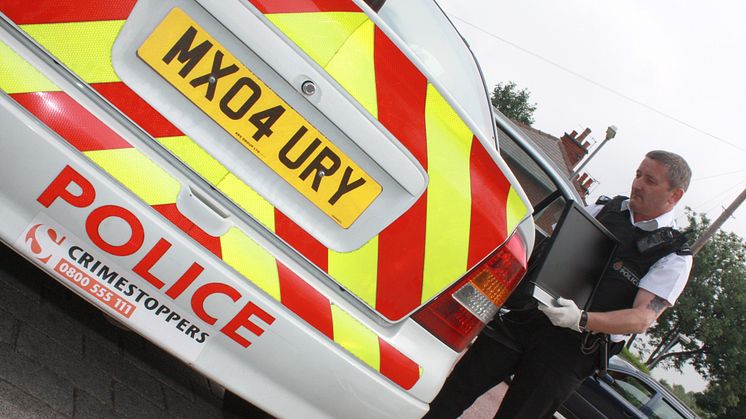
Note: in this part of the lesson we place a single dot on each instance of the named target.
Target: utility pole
(697, 246)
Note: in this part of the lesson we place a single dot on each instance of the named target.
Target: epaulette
(685, 250)
(602, 200)
(664, 238)
(609, 204)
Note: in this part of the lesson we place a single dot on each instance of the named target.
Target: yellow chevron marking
(353, 67)
(138, 173)
(515, 210)
(18, 76)
(356, 338)
(357, 270)
(195, 157)
(248, 199)
(319, 35)
(204, 164)
(251, 260)
(84, 47)
(448, 195)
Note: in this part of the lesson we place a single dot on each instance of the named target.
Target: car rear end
(303, 199)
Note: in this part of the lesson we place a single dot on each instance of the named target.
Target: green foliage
(710, 400)
(634, 360)
(711, 312)
(513, 103)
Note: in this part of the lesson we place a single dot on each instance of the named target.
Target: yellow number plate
(233, 96)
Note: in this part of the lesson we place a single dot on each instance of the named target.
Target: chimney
(583, 184)
(583, 135)
(574, 146)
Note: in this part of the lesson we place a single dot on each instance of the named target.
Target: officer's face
(651, 194)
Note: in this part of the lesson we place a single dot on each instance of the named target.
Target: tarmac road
(486, 406)
(61, 359)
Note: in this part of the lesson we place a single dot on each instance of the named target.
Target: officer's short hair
(679, 173)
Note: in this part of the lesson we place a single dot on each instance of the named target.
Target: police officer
(549, 351)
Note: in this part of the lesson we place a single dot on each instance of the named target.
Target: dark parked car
(625, 392)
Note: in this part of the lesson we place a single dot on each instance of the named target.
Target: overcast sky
(668, 74)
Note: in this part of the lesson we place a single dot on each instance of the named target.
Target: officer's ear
(676, 196)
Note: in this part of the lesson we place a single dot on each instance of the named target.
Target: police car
(301, 199)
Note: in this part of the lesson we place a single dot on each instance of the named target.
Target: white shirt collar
(666, 219)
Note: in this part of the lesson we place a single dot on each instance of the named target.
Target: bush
(634, 360)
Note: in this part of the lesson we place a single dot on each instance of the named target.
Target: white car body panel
(289, 369)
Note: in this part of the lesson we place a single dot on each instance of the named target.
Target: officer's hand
(566, 315)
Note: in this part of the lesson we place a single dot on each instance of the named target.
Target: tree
(513, 103)
(711, 311)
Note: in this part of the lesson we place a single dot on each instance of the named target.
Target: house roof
(549, 144)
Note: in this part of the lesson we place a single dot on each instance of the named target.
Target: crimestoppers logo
(41, 239)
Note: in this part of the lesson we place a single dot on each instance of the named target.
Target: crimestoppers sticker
(120, 293)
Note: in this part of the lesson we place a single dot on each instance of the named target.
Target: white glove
(566, 315)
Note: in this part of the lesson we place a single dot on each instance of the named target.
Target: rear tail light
(458, 315)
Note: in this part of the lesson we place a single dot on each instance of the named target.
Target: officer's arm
(644, 312)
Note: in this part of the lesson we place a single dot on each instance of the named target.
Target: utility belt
(592, 342)
(589, 343)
